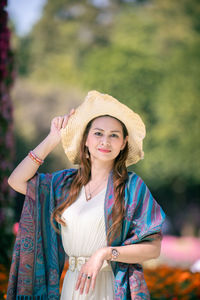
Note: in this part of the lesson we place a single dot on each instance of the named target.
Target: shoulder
(56, 177)
(137, 188)
(63, 176)
(63, 173)
(134, 180)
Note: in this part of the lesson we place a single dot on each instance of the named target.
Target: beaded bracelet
(35, 158)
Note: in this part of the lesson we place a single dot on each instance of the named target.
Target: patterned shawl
(38, 256)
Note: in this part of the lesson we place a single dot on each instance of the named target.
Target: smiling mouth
(104, 150)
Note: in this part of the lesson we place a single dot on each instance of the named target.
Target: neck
(100, 171)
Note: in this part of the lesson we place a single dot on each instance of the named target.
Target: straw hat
(97, 104)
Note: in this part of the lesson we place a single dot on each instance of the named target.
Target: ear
(124, 143)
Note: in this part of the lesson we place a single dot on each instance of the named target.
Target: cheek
(119, 144)
(90, 140)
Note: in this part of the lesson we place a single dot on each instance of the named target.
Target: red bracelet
(35, 158)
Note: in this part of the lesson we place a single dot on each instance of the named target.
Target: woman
(107, 217)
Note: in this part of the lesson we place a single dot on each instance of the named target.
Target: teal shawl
(38, 256)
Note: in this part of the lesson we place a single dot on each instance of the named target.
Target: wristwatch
(114, 253)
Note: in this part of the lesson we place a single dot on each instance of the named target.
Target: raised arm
(27, 167)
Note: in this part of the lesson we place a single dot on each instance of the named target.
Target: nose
(105, 141)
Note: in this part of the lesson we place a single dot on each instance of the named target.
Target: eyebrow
(103, 130)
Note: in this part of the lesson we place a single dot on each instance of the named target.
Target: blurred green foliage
(144, 53)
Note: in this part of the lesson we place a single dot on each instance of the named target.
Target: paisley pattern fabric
(38, 256)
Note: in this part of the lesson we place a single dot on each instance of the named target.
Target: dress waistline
(76, 262)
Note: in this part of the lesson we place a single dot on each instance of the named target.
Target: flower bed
(164, 282)
(3, 282)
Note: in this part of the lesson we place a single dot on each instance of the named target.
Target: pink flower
(179, 250)
(15, 228)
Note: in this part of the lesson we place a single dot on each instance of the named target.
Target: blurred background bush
(144, 53)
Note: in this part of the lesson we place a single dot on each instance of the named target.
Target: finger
(88, 283)
(93, 281)
(72, 111)
(82, 285)
(60, 120)
(66, 118)
(65, 121)
(78, 281)
(54, 121)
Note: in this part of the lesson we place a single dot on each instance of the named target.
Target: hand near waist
(89, 271)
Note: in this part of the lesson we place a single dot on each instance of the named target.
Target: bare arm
(27, 167)
(136, 253)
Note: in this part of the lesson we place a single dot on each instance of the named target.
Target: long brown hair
(83, 176)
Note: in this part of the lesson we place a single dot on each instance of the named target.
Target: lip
(104, 150)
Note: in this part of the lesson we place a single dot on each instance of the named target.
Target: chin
(102, 159)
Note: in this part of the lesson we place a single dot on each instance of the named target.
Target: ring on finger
(89, 277)
(84, 275)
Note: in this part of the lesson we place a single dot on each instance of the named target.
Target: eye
(98, 133)
(114, 135)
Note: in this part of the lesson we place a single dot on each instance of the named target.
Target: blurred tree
(146, 54)
(152, 64)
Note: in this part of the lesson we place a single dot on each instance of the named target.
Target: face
(105, 139)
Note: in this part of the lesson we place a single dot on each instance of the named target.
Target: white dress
(83, 235)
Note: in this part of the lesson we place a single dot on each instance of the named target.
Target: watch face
(115, 253)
